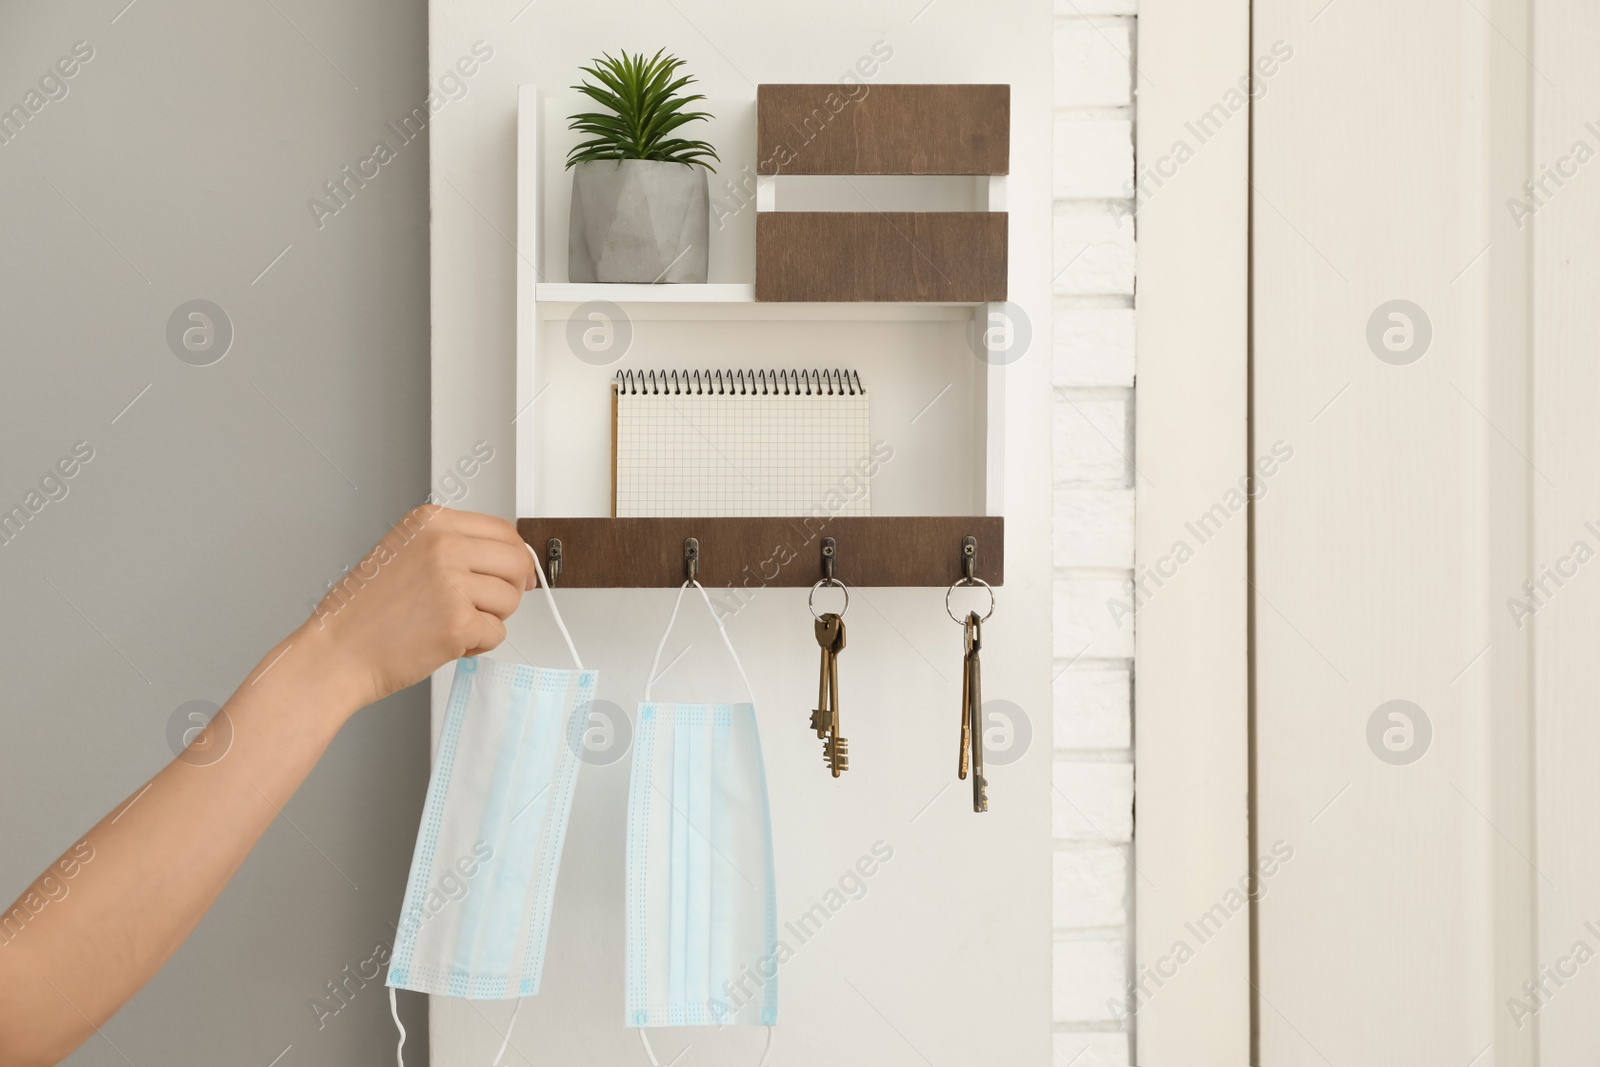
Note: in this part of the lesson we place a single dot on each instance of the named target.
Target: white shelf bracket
(989, 326)
(994, 192)
(529, 247)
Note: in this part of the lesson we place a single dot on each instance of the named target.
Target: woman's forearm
(103, 919)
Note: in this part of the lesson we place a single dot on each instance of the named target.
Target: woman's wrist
(309, 668)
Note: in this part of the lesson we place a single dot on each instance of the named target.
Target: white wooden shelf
(542, 306)
(581, 292)
(728, 300)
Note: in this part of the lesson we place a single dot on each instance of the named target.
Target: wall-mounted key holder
(604, 553)
(898, 482)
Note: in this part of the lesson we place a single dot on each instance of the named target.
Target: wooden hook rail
(606, 553)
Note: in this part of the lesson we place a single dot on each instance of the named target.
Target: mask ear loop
(510, 1025)
(394, 1010)
(727, 643)
(399, 1059)
(551, 600)
(673, 618)
(650, 680)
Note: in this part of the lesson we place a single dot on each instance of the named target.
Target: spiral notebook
(732, 443)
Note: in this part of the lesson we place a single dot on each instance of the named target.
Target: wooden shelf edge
(746, 552)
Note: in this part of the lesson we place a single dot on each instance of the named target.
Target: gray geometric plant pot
(638, 220)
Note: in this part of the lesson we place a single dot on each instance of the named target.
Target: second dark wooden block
(888, 256)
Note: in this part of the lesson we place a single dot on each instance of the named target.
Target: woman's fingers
(488, 527)
(510, 563)
(491, 631)
(488, 594)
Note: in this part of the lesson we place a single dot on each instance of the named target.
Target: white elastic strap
(765, 1052)
(394, 1010)
(510, 1025)
(728, 644)
(550, 598)
(656, 663)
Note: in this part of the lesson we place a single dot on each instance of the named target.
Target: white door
(1424, 721)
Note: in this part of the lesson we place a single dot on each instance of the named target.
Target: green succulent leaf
(644, 103)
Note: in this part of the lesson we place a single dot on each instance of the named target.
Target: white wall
(1092, 406)
(948, 956)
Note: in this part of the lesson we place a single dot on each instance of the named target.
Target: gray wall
(176, 167)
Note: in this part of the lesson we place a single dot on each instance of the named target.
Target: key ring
(965, 582)
(810, 600)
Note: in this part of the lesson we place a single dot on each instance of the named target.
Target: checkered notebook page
(688, 454)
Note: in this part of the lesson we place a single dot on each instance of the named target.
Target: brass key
(974, 702)
(835, 750)
(827, 629)
(966, 696)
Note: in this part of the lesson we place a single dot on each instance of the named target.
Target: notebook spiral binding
(739, 383)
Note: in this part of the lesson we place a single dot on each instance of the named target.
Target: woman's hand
(438, 586)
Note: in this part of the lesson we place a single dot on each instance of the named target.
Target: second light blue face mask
(476, 916)
(700, 898)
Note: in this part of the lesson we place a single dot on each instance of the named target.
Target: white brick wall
(1093, 250)
(1092, 61)
(1094, 346)
(1092, 373)
(1093, 157)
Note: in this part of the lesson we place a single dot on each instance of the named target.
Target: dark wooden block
(756, 552)
(883, 129)
(878, 255)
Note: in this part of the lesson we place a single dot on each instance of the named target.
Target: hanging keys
(971, 756)
(829, 629)
(974, 702)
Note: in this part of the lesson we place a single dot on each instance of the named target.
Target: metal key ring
(967, 582)
(810, 600)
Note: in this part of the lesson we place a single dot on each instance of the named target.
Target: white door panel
(1384, 550)
(1565, 630)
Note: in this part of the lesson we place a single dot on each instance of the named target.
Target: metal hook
(552, 557)
(691, 558)
(969, 567)
(830, 557)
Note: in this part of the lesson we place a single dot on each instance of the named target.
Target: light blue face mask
(702, 917)
(477, 907)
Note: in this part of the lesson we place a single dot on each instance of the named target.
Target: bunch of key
(825, 717)
(972, 713)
